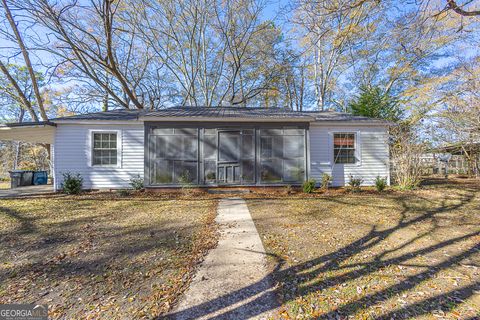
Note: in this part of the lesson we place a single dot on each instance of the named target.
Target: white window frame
(357, 145)
(119, 149)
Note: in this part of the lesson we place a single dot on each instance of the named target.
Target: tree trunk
(28, 63)
(26, 103)
(16, 159)
(113, 68)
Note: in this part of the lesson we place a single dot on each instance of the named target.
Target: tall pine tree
(375, 103)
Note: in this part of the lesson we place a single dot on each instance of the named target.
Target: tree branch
(20, 93)
(452, 4)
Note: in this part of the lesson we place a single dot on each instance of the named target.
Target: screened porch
(215, 155)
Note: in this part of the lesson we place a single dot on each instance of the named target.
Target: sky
(275, 10)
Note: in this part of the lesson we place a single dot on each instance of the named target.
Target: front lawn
(4, 184)
(101, 259)
(396, 255)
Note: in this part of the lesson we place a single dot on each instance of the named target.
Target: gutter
(27, 124)
(98, 122)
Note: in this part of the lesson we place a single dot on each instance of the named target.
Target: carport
(32, 132)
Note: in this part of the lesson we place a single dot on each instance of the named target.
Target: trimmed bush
(309, 186)
(355, 183)
(72, 183)
(326, 180)
(137, 182)
(380, 183)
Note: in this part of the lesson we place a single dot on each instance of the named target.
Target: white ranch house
(221, 146)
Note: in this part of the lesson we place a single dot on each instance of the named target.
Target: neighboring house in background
(211, 146)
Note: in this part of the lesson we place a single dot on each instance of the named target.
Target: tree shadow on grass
(123, 259)
(87, 245)
(27, 224)
(316, 274)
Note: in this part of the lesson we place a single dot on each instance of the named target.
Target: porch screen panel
(210, 155)
(229, 147)
(248, 156)
(174, 156)
(270, 166)
(294, 156)
(282, 155)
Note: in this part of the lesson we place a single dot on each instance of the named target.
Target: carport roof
(35, 132)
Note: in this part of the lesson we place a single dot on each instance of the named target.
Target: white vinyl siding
(371, 149)
(73, 153)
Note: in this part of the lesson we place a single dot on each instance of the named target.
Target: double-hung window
(344, 145)
(104, 149)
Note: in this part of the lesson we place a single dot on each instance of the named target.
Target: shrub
(210, 176)
(309, 186)
(123, 193)
(72, 183)
(406, 150)
(288, 189)
(184, 179)
(186, 183)
(136, 182)
(326, 180)
(355, 183)
(380, 183)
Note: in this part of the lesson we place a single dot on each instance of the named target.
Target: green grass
(395, 255)
(101, 258)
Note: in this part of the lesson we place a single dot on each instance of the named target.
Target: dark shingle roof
(186, 113)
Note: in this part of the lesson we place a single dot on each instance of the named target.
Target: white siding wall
(372, 144)
(73, 154)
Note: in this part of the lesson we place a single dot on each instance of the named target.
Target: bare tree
(212, 51)
(26, 57)
(295, 82)
(329, 29)
(180, 37)
(250, 50)
(92, 37)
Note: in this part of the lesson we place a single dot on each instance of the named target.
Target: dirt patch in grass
(109, 259)
(396, 255)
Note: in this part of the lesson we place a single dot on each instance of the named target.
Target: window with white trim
(344, 145)
(104, 151)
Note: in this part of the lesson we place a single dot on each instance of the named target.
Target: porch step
(228, 191)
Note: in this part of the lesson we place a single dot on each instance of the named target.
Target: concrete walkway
(26, 191)
(232, 282)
